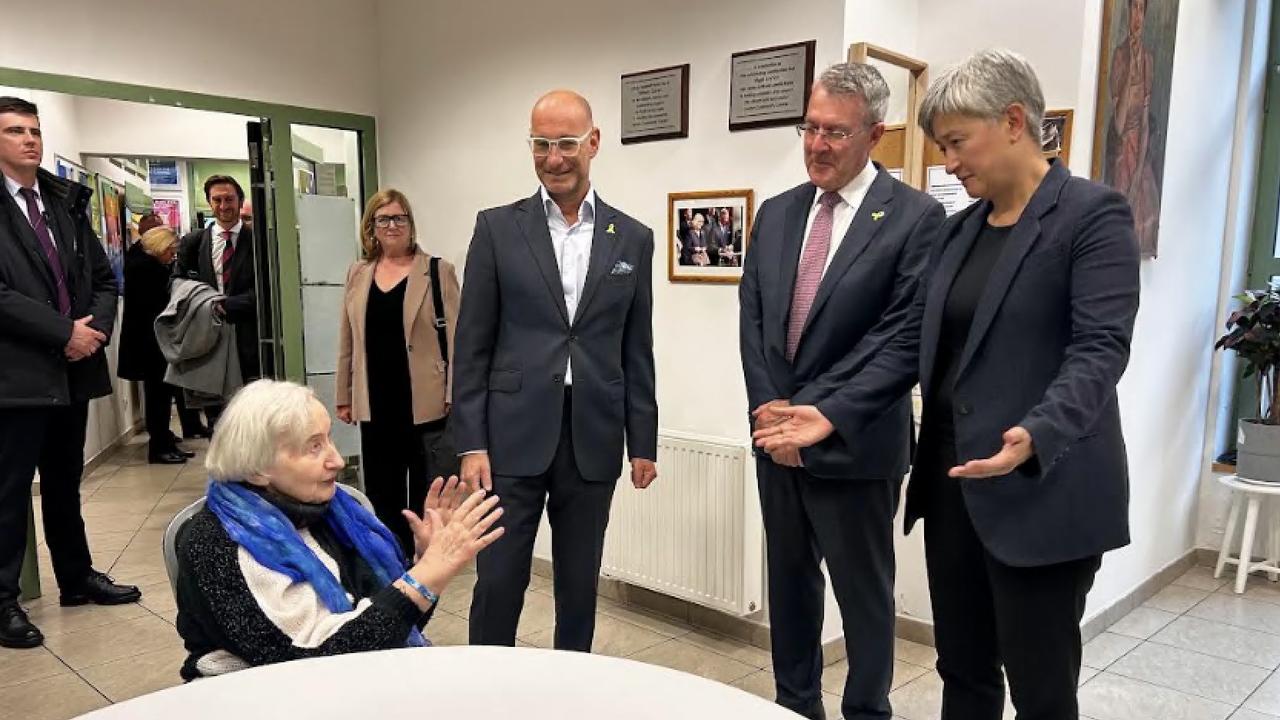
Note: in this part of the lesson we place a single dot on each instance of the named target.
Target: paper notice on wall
(895, 173)
(946, 189)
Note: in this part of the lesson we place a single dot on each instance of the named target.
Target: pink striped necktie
(809, 274)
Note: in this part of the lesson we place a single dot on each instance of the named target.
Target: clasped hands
(781, 429)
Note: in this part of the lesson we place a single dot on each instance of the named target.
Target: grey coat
(199, 346)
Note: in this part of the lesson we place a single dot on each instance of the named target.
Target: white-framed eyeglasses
(567, 146)
(386, 221)
(830, 134)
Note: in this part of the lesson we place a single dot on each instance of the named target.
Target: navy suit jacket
(515, 336)
(1049, 341)
(864, 298)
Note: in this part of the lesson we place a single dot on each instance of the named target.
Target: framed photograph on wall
(707, 235)
(1055, 134)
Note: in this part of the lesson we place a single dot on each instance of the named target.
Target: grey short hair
(984, 85)
(261, 418)
(861, 80)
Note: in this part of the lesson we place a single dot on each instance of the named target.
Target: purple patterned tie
(50, 251)
(809, 274)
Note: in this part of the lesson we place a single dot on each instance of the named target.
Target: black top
(957, 318)
(146, 293)
(390, 393)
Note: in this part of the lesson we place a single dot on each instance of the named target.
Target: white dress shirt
(15, 190)
(220, 244)
(851, 196)
(572, 244)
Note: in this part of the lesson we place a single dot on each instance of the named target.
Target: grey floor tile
(1114, 697)
(1266, 699)
(1191, 672)
(1242, 612)
(1107, 648)
(1222, 640)
(1246, 714)
(1142, 623)
(1176, 599)
(1201, 577)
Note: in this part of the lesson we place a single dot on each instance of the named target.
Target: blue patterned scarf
(270, 537)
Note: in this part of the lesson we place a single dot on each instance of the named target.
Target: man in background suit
(221, 255)
(553, 367)
(830, 275)
(57, 310)
(726, 243)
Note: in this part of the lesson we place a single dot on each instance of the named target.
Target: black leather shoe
(183, 452)
(170, 457)
(196, 433)
(16, 631)
(99, 589)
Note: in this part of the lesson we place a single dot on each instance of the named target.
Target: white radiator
(695, 533)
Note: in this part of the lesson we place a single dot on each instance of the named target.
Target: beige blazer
(431, 384)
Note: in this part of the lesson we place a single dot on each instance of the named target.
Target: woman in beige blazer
(393, 378)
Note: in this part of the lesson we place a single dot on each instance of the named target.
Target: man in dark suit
(57, 311)
(221, 255)
(726, 242)
(832, 268)
(553, 367)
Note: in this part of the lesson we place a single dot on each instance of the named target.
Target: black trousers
(159, 399)
(849, 523)
(988, 615)
(52, 440)
(400, 461)
(578, 511)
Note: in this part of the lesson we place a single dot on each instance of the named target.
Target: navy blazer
(1049, 342)
(514, 337)
(862, 301)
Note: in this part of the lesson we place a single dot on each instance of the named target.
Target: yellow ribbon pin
(875, 216)
(609, 230)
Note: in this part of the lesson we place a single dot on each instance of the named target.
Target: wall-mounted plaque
(770, 86)
(655, 104)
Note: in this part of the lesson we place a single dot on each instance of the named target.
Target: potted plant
(1253, 332)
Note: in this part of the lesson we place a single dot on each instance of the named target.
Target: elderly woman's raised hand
(445, 546)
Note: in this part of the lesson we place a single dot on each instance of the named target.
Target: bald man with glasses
(553, 374)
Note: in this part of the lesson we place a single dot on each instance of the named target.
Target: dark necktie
(809, 275)
(50, 251)
(227, 251)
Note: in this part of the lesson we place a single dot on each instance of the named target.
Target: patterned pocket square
(622, 267)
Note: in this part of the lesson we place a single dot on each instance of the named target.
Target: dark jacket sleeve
(909, 273)
(1104, 303)
(474, 342)
(755, 368)
(212, 591)
(24, 317)
(637, 363)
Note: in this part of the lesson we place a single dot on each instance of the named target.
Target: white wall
(313, 53)
(472, 156)
(131, 129)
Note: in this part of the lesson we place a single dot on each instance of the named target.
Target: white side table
(1253, 495)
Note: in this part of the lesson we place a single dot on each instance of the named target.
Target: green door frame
(289, 261)
(281, 117)
(1263, 263)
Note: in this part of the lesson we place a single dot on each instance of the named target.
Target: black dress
(392, 448)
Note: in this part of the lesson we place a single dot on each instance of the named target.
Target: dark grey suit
(513, 341)
(840, 505)
(1011, 558)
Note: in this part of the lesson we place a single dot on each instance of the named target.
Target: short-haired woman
(281, 563)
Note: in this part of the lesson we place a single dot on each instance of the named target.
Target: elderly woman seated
(282, 563)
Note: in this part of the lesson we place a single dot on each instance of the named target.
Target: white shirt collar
(235, 229)
(585, 212)
(14, 186)
(856, 189)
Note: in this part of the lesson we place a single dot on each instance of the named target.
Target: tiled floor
(1196, 651)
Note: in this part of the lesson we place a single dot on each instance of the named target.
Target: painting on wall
(1135, 73)
(112, 227)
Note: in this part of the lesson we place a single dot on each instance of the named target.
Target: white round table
(1252, 495)
(475, 683)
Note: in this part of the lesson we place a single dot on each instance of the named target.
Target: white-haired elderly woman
(283, 564)
(1018, 336)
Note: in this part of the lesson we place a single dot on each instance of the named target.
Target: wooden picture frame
(652, 85)
(685, 263)
(1056, 134)
(743, 104)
